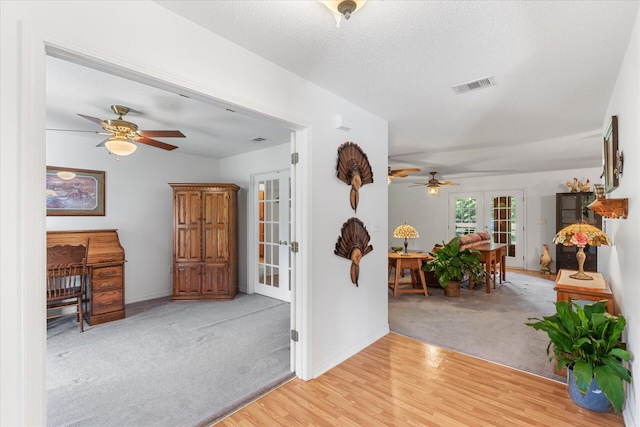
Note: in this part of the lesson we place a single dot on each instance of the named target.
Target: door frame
(35, 44)
(483, 199)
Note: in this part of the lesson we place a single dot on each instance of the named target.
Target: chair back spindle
(66, 278)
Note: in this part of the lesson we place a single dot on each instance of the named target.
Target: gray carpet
(488, 326)
(169, 363)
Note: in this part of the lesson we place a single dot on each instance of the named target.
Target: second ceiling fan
(433, 185)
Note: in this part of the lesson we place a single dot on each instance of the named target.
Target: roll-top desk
(105, 290)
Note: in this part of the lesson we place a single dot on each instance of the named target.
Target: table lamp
(405, 231)
(580, 235)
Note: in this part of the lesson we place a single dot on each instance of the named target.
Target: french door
(499, 213)
(273, 264)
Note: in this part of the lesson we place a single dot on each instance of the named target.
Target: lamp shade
(432, 190)
(120, 146)
(405, 231)
(581, 234)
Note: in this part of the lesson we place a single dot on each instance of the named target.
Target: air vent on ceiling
(259, 139)
(475, 84)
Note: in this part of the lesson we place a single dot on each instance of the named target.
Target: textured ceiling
(211, 129)
(554, 63)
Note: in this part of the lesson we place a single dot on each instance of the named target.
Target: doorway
(272, 268)
(290, 219)
(497, 212)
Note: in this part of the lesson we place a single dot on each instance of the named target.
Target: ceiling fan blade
(102, 143)
(161, 133)
(96, 120)
(157, 144)
(399, 175)
(409, 170)
(446, 183)
(415, 184)
(77, 130)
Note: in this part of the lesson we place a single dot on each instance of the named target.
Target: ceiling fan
(123, 134)
(433, 185)
(399, 173)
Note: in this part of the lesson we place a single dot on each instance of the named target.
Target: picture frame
(611, 170)
(75, 192)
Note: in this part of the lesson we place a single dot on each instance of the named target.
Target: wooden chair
(66, 280)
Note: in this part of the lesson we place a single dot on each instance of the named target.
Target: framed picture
(74, 192)
(610, 171)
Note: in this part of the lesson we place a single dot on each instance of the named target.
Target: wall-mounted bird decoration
(354, 169)
(353, 244)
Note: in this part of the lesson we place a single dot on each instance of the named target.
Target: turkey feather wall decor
(353, 244)
(353, 169)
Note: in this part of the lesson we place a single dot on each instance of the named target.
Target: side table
(413, 262)
(591, 290)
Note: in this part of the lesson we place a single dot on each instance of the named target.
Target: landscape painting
(75, 192)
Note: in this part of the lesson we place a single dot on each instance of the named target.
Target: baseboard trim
(147, 297)
(352, 350)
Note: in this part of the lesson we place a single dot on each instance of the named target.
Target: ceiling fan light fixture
(342, 8)
(120, 146)
(433, 190)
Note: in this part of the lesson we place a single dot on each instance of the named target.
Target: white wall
(430, 214)
(619, 263)
(138, 204)
(337, 318)
(238, 170)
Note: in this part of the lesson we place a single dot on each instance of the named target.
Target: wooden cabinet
(572, 208)
(104, 301)
(205, 241)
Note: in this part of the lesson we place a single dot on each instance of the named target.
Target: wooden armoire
(205, 241)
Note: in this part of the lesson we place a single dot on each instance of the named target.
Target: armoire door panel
(216, 277)
(187, 278)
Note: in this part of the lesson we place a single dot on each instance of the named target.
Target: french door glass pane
(466, 218)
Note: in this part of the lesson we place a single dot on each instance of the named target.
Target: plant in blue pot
(587, 341)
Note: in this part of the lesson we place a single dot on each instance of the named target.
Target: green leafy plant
(449, 263)
(587, 340)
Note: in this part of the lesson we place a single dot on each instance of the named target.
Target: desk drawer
(106, 272)
(105, 302)
(106, 284)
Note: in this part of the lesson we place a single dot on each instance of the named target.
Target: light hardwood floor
(399, 381)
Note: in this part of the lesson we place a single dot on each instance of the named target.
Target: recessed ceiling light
(230, 110)
(259, 139)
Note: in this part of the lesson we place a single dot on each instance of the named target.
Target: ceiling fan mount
(123, 126)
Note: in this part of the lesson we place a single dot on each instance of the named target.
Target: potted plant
(587, 341)
(451, 266)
